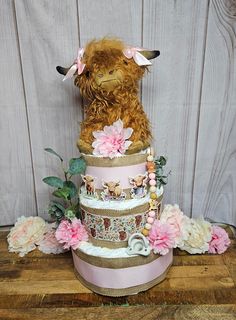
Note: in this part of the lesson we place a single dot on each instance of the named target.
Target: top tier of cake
(116, 179)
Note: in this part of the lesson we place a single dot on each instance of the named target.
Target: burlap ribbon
(116, 263)
(108, 244)
(116, 213)
(119, 213)
(127, 160)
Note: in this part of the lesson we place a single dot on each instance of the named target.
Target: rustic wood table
(40, 286)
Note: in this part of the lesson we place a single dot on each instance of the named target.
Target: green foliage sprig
(162, 179)
(65, 189)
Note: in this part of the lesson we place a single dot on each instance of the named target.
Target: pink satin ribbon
(129, 52)
(133, 52)
(77, 66)
(125, 277)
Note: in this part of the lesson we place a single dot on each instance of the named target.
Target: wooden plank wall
(189, 95)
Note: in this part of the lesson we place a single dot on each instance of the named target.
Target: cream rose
(25, 234)
(199, 235)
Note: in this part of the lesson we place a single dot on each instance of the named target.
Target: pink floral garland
(196, 236)
(173, 230)
(33, 232)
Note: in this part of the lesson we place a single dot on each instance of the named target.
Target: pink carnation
(219, 240)
(71, 233)
(161, 237)
(112, 141)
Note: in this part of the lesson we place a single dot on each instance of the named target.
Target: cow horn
(62, 70)
(150, 54)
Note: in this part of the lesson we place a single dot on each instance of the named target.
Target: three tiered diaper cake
(118, 213)
(119, 196)
(121, 238)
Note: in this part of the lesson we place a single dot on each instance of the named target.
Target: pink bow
(77, 66)
(132, 52)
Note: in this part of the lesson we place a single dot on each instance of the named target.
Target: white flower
(199, 235)
(25, 234)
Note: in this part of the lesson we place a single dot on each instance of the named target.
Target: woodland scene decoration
(107, 73)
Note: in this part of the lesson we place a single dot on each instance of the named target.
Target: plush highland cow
(107, 73)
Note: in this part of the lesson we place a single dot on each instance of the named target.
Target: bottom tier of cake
(121, 276)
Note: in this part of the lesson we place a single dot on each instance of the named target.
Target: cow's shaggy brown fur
(110, 83)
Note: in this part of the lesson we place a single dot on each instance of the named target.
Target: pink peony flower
(112, 141)
(161, 237)
(70, 234)
(219, 240)
(49, 243)
(175, 217)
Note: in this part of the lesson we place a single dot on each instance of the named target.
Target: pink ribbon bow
(133, 52)
(77, 66)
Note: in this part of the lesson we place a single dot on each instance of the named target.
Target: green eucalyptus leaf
(77, 209)
(76, 166)
(63, 193)
(159, 171)
(53, 182)
(57, 206)
(159, 184)
(50, 150)
(59, 214)
(72, 187)
(70, 213)
(162, 181)
(162, 161)
(56, 210)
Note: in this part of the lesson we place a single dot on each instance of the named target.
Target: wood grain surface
(45, 287)
(219, 312)
(189, 95)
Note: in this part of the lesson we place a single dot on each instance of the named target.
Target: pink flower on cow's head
(161, 237)
(112, 141)
(70, 234)
(219, 240)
